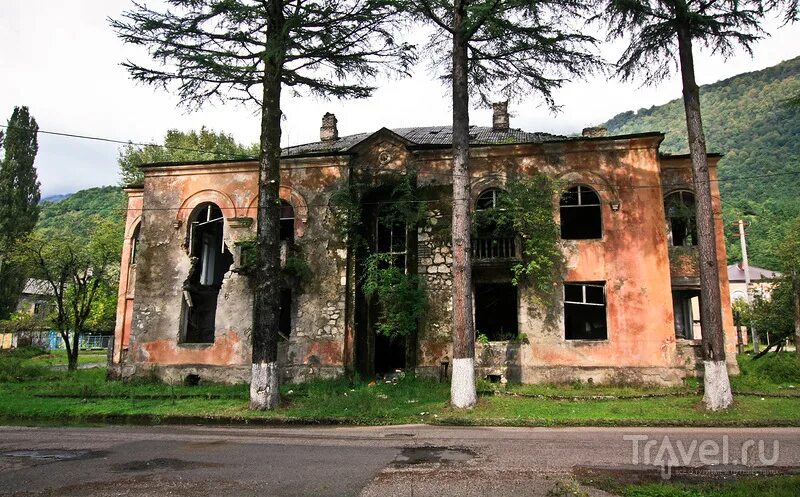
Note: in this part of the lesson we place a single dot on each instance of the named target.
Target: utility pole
(746, 268)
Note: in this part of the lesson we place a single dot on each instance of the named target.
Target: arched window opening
(493, 238)
(681, 218)
(210, 260)
(488, 199)
(390, 236)
(135, 243)
(287, 222)
(581, 216)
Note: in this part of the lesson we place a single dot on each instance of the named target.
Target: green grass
(772, 486)
(773, 373)
(29, 390)
(59, 357)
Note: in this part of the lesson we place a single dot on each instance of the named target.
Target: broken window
(488, 199)
(210, 260)
(685, 306)
(39, 309)
(135, 243)
(496, 311)
(585, 311)
(681, 218)
(581, 216)
(390, 236)
(287, 222)
(493, 239)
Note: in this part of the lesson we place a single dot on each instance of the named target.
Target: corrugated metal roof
(735, 273)
(37, 287)
(426, 135)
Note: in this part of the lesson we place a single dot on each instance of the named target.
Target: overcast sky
(61, 59)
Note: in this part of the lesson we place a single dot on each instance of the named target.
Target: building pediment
(382, 151)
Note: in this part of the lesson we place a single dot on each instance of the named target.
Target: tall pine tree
(504, 47)
(662, 36)
(19, 200)
(249, 51)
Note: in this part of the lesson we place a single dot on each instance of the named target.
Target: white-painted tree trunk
(264, 390)
(717, 385)
(462, 385)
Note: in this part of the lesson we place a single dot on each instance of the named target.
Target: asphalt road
(370, 461)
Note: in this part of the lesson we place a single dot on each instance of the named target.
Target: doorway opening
(496, 308)
(383, 232)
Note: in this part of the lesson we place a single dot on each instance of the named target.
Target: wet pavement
(394, 461)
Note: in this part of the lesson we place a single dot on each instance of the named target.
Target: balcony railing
(494, 248)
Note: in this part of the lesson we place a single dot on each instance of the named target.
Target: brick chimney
(328, 131)
(500, 120)
(595, 132)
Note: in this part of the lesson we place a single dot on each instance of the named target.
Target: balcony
(684, 266)
(495, 249)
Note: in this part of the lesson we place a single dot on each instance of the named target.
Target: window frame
(691, 226)
(580, 187)
(604, 305)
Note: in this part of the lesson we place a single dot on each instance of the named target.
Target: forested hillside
(107, 202)
(751, 120)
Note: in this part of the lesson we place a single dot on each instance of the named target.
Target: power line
(324, 166)
(128, 142)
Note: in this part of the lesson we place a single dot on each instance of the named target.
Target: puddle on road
(161, 463)
(433, 455)
(398, 435)
(49, 455)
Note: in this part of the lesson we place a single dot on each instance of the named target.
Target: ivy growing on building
(401, 296)
(525, 209)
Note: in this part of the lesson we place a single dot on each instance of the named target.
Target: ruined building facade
(622, 309)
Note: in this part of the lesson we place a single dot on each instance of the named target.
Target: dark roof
(426, 135)
(736, 273)
(418, 137)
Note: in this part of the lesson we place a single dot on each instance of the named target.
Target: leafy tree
(19, 199)
(181, 146)
(747, 118)
(790, 263)
(655, 28)
(248, 51)
(775, 315)
(82, 274)
(510, 47)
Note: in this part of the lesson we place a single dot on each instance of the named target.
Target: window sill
(195, 345)
(586, 341)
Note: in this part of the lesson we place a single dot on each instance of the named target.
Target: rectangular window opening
(496, 311)
(585, 311)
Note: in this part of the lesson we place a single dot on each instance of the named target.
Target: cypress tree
(19, 200)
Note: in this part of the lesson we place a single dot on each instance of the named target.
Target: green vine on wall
(295, 270)
(401, 296)
(526, 209)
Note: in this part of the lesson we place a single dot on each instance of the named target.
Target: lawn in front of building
(31, 391)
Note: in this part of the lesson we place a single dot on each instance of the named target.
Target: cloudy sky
(62, 60)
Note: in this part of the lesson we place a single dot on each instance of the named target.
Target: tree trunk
(462, 387)
(265, 379)
(715, 379)
(796, 301)
(72, 350)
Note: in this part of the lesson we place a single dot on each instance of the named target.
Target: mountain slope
(107, 202)
(749, 119)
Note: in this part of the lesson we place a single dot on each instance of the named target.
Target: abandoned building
(621, 309)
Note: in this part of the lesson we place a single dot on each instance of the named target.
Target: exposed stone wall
(434, 267)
